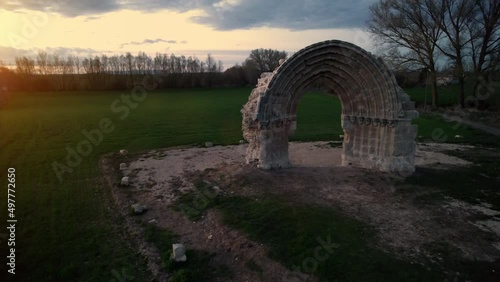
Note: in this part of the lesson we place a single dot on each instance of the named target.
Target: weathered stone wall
(376, 113)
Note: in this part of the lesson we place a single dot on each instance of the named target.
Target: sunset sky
(228, 29)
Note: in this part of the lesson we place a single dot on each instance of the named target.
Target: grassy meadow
(64, 230)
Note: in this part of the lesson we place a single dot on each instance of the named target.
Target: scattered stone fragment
(153, 221)
(123, 152)
(179, 253)
(242, 142)
(459, 136)
(209, 144)
(123, 166)
(138, 208)
(210, 237)
(125, 181)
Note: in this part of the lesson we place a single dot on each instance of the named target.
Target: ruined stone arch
(376, 113)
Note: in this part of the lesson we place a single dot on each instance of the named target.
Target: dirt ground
(403, 228)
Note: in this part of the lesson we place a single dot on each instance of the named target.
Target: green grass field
(64, 230)
(448, 95)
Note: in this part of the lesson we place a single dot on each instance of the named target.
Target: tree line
(419, 34)
(51, 72)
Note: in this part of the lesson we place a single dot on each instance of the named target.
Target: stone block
(125, 181)
(179, 253)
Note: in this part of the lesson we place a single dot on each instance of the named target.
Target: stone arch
(376, 113)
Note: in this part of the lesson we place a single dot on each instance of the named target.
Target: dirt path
(160, 176)
(474, 124)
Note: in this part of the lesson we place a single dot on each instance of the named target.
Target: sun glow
(163, 31)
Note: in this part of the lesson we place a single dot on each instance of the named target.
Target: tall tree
(410, 27)
(77, 65)
(43, 62)
(267, 60)
(211, 63)
(25, 65)
(130, 68)
(484, 31)
(251, 71)
(454, 16)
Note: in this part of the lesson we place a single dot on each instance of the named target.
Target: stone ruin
(376, 113)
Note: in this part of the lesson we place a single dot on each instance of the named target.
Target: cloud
(65, 52)
(151, 41)
(225, 14)
(8, 54)
(289, 14)
(69, 8)
(91, 18)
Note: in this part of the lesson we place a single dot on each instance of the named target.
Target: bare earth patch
(403, 228)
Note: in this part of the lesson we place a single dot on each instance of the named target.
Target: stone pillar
(404, 147)
(381, 144)
(273, 148)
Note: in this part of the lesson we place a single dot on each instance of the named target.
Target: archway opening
(318, 136)
(318, 117)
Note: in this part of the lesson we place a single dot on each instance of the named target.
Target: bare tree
(177, 64)
(130, 68)
(114, 63)
(69, 73)
(25, 65)
(183, 64)
(140, 62)
(42, 61)
(211, 63)
(454, 16)
(196, 65)
(157, 62)
(484, 31)
(410, 27)
(251, 71)
(77, 65)
(267, 60)
(220, 66)
(203, 67)
(57, 65)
